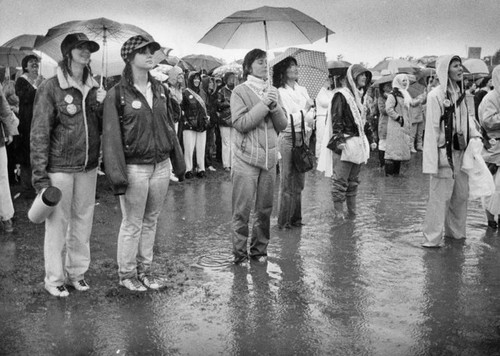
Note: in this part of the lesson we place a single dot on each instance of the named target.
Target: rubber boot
(338, 210)
(389, 167)
(381, 158)
(351, 206)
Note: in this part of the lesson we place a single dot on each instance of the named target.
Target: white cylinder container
(44, 204)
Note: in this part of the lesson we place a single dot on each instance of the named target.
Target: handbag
(302, 157)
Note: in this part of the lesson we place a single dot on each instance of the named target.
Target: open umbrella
(234, 67)
(313, 71)
(11, 57)
(397, 65)
(265, 27)
(338, 67)
(110, 34)
(476, 67)
(24, 42)
(203, 61)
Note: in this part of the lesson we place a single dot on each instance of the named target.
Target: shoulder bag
(302, 157)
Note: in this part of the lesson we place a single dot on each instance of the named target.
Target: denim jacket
(66, 128)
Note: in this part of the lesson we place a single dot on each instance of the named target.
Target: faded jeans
(68, 228)
(251, 184)
(141, 206)
(345, 179)
(225, 136)
(6, 207)
(291, 183)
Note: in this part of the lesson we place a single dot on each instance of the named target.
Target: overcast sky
(365, 30)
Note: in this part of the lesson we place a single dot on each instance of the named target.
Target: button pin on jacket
(71, 109)
(136, 104)
(68, 98)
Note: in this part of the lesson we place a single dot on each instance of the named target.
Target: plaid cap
(136, 42)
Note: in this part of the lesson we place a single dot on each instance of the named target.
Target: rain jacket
(8, 120)
(66, 128)
(383, 117)
(256, 128)
(195, 113)
(224, 106)
(145, 135)
(26, 94)
(434, 154)
(489, 117)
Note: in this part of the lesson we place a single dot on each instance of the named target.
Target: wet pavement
(358, 287)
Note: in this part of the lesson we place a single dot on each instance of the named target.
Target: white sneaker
(173, 178)
(59, 291)
(133, 284)
(150, 281)
(80, 285)
(211, 168)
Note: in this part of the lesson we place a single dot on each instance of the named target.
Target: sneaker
(7, 225)
(260, 259)
(173, 178)
(227, 169)
(59, 291)
(201, 174)
(211, 168)
(189, 175)
(133, 284)
(80, 285)
(412, 150)
(150, 281)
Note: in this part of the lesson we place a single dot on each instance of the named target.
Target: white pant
(68, 228)
(193, 139)
(6, 207)
(225, 137)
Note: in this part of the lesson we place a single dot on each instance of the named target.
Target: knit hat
(76, 39)
(136, 42)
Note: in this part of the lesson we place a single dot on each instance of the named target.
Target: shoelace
(136, 283)
(82, 283)
(61, 288)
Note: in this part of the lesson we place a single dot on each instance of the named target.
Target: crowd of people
(146, 131)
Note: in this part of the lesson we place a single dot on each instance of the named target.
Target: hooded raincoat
(489, 118)
(449, 188)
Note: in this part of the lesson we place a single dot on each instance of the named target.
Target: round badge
(71, 109)
(136, 104)
(190, 97)
(68, 98)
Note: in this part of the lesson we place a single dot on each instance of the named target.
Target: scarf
(358, 94)
(198, 98)
(257, 85)
(397, 82)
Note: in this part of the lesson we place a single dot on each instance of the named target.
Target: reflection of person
(195, 118)
(26, 87)
(297, 105)
(489, 117)
(225, 124)
(8, 129)
(348, 116)
(65, 141)
(137, 161)
(442, 156)
(257, 118)
(397, 106)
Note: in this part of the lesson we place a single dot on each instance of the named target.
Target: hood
(357, 69)
(397, 82)
(190, 81)
(442, 66)
(495, 76)
(173, 73)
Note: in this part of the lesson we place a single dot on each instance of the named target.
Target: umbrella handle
(267, 50)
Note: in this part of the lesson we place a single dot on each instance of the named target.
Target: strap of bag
(293, 130)
(302, 124)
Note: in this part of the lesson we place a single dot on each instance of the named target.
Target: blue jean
(291, 183)
(141, 205)
(251, 184)
(345, 179)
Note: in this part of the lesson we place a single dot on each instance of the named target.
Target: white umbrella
(265, 27)
(476, 67)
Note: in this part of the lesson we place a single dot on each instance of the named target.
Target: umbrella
(24, 42)
(162, 55)
(11, 57)
(397, 66)
(265, 27)
(100, 30)
(313, 71)
(338, 67)
(476, 68)
(388, 78)
(234, 67)
(203, 61)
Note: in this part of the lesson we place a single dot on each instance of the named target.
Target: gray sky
(366, 30)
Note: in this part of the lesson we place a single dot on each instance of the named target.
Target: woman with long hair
(138, 140)
(65, 141)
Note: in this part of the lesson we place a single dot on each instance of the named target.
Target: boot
(381, 158)
(338, 210)
(351, 206)
(389, 167)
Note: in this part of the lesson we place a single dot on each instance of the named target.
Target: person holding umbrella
(257, 117)
(65, 141)
(138, 140)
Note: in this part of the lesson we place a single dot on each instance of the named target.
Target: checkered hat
(136, 42)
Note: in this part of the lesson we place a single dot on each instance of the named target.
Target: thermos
(44, 204)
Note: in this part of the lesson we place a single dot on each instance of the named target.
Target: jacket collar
(155, 85)
(69, 82)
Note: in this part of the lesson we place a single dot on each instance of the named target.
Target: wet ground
(360, 287)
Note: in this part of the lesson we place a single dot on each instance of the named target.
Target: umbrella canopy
(24, 42)
(397, 66)
(100, 30)
(476, 67)
(265, 27)
(338, 67)
(11, 57)
(313, 71)
(388, 78)
(203, 61)
(234, 67)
